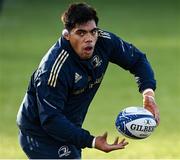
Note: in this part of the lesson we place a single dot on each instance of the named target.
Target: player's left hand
(101, 144)
(150, 104)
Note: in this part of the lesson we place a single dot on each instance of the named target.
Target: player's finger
(120, 145)
(125, 143)
(157, 118)
(117, 146)
(105, 135)
(116, 141)
(149, 108)
(122, 141)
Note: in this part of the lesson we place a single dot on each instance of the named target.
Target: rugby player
(60, 91)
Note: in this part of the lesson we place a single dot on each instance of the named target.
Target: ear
(66, 36)
(65, 33)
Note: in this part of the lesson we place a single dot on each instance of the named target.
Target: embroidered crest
(64, 151)
(96, 61)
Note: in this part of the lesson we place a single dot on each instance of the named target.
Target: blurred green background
(28, 28)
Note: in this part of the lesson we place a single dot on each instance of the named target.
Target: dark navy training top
(63, 86)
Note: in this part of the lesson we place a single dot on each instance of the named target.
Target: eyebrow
(82, 30)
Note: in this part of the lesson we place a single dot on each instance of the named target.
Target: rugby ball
(135, 122)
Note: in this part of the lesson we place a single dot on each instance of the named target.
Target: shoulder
(55, 65)
(55, 59)
(106, 35)
(108, 41)
(58, 66)
(108, 38)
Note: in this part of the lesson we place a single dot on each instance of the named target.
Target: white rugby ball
(135, 122)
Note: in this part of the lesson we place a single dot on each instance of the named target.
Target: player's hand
(101, 144)
(150, 104)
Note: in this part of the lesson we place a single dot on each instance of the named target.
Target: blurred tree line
(1, 5)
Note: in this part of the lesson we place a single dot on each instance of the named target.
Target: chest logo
(64, 151)
(77, 77)
(96, 61)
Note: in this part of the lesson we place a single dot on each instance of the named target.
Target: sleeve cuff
(148, 90)
(94, 142)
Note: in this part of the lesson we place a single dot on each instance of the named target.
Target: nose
(89, 38)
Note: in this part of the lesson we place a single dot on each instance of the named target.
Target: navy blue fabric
(63, 86)
(36, 148)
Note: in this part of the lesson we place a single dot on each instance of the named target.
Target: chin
(86, 55)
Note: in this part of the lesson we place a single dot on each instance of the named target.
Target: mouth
(88, 49)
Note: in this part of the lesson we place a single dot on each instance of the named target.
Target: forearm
(144, 74)
(150, 104)
(63, 130)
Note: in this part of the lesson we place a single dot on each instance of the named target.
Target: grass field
(29, 28)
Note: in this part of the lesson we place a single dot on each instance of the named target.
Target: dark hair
(78, 13)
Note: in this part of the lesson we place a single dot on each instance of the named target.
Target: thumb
(105, 135)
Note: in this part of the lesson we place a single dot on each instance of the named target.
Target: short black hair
(78, 13)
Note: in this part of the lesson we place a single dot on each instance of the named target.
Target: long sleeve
(51, 103)
(130, 58)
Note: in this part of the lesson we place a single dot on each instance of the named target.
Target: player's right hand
(150, 104)
(101, 144)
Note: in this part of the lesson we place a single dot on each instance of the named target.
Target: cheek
(76, 44)
(95, 40)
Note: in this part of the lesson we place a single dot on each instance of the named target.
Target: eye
(81, 33)
(94, 32)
